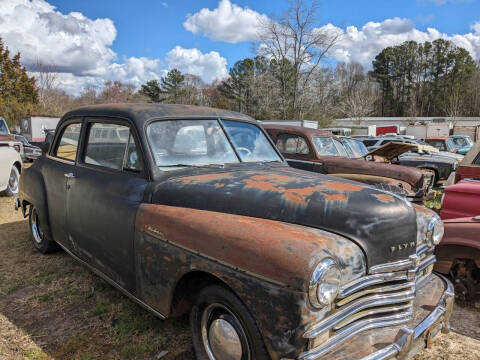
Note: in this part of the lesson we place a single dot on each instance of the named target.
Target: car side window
(112, 146)
(68, 144)
(477, 160)
(292, 144)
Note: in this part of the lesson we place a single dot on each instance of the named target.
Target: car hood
(377, 221)
(429, 157)
(410, 175)
(391, 150)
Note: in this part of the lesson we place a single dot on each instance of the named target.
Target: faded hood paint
(375, 220)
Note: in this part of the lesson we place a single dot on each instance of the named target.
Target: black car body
(187, 208)
(441, 166)
(30, 152)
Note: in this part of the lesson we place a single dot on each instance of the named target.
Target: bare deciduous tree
(297, 46)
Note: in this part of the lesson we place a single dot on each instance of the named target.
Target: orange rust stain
(262, 185)
(335, 197)
(205, 178)
(334, 185)
(385, 198)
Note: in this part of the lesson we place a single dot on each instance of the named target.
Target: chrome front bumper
(432, 314)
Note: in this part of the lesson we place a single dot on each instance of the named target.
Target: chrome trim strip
(354, 329)
(369, 280)
(376, 290)
(393, 266)
(114, 284)
(373, 311)
(361, 304)
(65, 161)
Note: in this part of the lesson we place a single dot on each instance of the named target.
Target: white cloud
(228, 22)
(72, 42)
(362, 45)
(165, 4)
(79, 48)
(209, 66)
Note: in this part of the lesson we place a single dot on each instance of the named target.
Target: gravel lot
(52, 308)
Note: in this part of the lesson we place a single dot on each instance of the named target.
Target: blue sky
(148, 28)
(88, 41)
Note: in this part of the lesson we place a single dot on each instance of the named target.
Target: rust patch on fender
(385, 198)
(284, 253)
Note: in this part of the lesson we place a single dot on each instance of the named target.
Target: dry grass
(53, 308)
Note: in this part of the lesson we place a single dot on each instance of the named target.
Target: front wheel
(39, 239)
(13, 181)
(223, 329)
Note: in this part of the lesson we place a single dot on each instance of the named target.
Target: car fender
(32, 191)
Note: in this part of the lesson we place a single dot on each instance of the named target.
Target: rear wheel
(223, 329)
(13, 181)
(39, 239)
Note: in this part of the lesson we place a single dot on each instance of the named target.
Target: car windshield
(326, 145)
(355, 148)
(183, 143)
(3, 127)
(460, 142)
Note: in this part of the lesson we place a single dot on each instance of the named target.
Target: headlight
(16, 147)
(435, 230)
(325, 283)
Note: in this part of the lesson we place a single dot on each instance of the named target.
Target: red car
(458, 255)
(461, 200)
(470, 166)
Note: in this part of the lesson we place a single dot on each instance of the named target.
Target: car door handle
(69, 175)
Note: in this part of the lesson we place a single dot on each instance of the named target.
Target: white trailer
(430, 129)
(33, 127)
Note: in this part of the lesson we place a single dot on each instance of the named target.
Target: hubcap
(222, 334)
(36, 231)
(224, 340)
(13, 181)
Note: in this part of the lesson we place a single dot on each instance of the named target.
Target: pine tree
(18, 92)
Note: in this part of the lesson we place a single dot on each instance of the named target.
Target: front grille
(382, 298)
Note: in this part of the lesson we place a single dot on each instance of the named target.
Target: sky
(89, 41)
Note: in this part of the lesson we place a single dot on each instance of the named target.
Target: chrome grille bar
(355, 328)
(357, 306)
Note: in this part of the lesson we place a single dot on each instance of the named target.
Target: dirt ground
(53, 308)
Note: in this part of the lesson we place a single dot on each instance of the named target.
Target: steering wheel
(244, 149)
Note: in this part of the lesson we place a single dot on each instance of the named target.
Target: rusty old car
(320, 151)
(469, 168)
(193, 210)
(458, 256)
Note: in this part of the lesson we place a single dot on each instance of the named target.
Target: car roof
(437, 138)
(298, 130)
(141, 113)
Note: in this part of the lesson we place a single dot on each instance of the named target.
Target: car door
(296, 150)
(57, 167)
(104, 196)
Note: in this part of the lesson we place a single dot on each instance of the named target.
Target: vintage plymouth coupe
(320, 151)
(191, 209)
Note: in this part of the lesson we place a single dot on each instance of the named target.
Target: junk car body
(458, 255)
(191, 209)
(469, 168)
(10, 169)
(463, 143)
(461, 200)
(322, 152)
